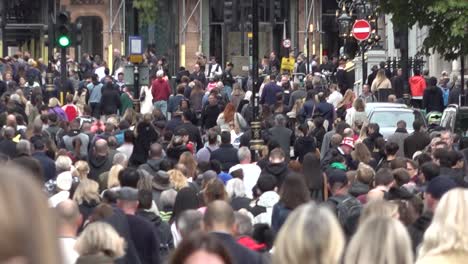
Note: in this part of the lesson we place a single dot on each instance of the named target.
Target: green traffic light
(64, 41)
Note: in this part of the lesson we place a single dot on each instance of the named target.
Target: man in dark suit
(418, 140)
(219, 220)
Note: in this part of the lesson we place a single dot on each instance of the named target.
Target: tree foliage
(446, 21)
(147, 10)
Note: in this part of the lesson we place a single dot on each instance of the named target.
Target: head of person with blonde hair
(447, 232)
(113, 177)
(380, 240)
(81, 170)
(379, 208)
(29, 234)
(293, 244)
(100, 238)
(177, 179)
(87, 192)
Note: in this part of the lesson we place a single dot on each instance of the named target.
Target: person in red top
(70, 109)
(417, 85)
(161, 91)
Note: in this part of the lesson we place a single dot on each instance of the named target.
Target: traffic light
(45, 31)
(63, 30)
(230, 12)
(77, 33)
(277, 10)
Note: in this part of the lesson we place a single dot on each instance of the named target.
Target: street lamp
(344, 24)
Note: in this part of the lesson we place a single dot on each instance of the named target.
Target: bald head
(68, 213)
(11, 120)
(101, 147)
(219, 216)
(156, 151)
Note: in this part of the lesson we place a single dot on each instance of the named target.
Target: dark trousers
(95, 110)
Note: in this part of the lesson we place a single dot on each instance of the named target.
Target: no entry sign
(361, 29)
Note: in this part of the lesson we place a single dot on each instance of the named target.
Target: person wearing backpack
(347, 207)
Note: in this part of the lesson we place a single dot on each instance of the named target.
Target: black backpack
(348, 211)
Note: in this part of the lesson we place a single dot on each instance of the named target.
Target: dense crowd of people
(87, 179)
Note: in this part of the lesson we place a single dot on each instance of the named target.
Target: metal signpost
(135, 46)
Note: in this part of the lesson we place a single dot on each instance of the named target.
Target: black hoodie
(277, 170)
(151, 166)
(99, 164)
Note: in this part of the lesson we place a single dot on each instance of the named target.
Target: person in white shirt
(213, 69)
(100, 70)
(335, 96)
(251, 171)
(69, 220)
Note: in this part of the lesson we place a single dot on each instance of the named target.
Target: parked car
(371, 106)
(455, 119)
(388, 117)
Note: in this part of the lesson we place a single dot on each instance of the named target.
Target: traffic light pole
(256, 141)
(63, 74)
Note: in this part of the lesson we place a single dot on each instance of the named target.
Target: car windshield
(390, 119)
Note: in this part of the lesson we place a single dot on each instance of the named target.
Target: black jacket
(418, 228)
(47, 164)
(151, 166)
(194, 133)
(238, 203)
(146, 136)
(145, 238)
(398, 86)
(163, 230)
(277, 170)
(415, 142)
(457, 175)
(240, 254)
(433, 99)
(8, 147)
(110, 102)
(98, 165)
(370, 141)
(227, 155)
(174, 152)
(209, 116)
(304, 145)
(119, 222)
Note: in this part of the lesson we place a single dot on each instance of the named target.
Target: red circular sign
(361, 29)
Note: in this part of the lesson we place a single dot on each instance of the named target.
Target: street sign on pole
(361, 29)
(136, 49)
(286, 43)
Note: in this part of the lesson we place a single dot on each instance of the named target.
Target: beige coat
(385, 84)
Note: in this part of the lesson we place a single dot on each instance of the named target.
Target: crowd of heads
(188, 180)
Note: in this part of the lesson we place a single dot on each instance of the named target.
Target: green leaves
(147, 10)
(446, 21)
